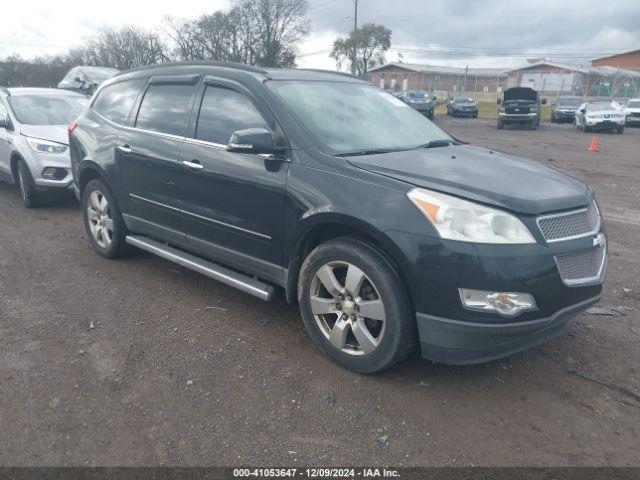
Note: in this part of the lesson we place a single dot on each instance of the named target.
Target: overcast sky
(467, 32)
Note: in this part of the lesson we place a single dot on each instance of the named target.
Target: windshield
(569, 102)
(603, 106)
(633, 104)
(44, 110)
(418, 96)
(100, 74)
(355, 117)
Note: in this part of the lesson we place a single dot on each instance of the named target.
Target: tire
(500, 124)
(584, 128)
(103, 221)
(475, 115)
(361, 344)
(27, 186)
(620, 130)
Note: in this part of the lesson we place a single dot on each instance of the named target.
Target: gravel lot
(121, 363)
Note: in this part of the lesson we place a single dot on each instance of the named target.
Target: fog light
(507, 304)
(53, 173)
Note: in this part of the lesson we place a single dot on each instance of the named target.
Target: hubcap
(100, 221)
(347, 308)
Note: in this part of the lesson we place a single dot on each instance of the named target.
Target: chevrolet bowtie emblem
(600, 240)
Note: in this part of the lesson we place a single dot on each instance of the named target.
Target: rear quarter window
(115, 101)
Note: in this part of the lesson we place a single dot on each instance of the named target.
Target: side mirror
(499, 101)
(434, 98)
(253, 140)
(4, 123)
(583, 110)
(544, 101)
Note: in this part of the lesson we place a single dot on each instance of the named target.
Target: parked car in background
(462, 106)
(420, 101)
(34, 152)
(632, 112)
(386, 231)
(600, 115)
(85, 79)
(520, 106)
(564, 109)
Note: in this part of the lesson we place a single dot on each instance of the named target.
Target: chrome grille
(583, 266)
(564, 226)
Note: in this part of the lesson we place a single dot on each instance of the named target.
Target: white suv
(600, 115)
(632, 112)
(34, 143)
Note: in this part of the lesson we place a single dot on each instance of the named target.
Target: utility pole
(355, 38)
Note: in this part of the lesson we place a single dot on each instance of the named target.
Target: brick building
(439, 79)
(628, 61)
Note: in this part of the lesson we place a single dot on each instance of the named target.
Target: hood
(54, 133)
(520, 93)
(490, 177)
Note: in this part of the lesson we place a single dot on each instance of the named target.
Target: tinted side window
(224, 111)
(115, 101)
(165, 108)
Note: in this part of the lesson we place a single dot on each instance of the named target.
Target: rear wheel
(103, 220)
(355, 307)
(27, 186)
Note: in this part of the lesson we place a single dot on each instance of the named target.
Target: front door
(5, 143)
(232, 203)
(147, 156)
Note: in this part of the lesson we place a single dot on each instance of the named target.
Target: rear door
(148, 151)
(232, 203)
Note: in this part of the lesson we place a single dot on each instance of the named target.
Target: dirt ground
(121, 363)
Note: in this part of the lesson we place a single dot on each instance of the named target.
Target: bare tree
(372, 42)
(124, 48)
(260, 32)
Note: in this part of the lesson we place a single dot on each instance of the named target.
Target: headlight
(44, 146)
(465, 221)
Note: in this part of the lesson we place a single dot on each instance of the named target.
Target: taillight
(72, 126)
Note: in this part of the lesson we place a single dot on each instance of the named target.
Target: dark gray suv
(386, 231)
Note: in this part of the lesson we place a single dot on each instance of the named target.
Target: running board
(209, 269)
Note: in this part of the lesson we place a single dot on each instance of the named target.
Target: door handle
(193, 164)
(125, 148)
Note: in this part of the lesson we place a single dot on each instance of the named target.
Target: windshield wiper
(439, 143)
(373, 151)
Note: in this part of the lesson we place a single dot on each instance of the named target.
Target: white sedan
(600, 115)
(632, 112)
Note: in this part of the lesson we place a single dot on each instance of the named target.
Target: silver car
(34, 143)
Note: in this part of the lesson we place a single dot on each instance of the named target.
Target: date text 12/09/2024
(315, 473)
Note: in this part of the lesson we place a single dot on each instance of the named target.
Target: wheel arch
(328, 226)
(87, 172)
(14, 158)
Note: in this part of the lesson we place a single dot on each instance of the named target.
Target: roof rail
(335, 72)
(5, 90)
(204, 63)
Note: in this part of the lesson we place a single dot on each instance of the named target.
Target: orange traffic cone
(594, 145)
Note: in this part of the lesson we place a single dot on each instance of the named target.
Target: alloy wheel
(347, 308)
(99, 217)
(23, 189)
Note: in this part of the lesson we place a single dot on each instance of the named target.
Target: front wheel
(27, 186)
(355, 307)
(103, 220)
(500, 124)
(620, 130)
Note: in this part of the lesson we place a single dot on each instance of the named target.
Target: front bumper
(564, 116)
(457, 342)
(604, 124)
(38, 162)
(450, 333)
(465, 112)
(515, 118)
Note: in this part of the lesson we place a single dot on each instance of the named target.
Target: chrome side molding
(212, 270)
